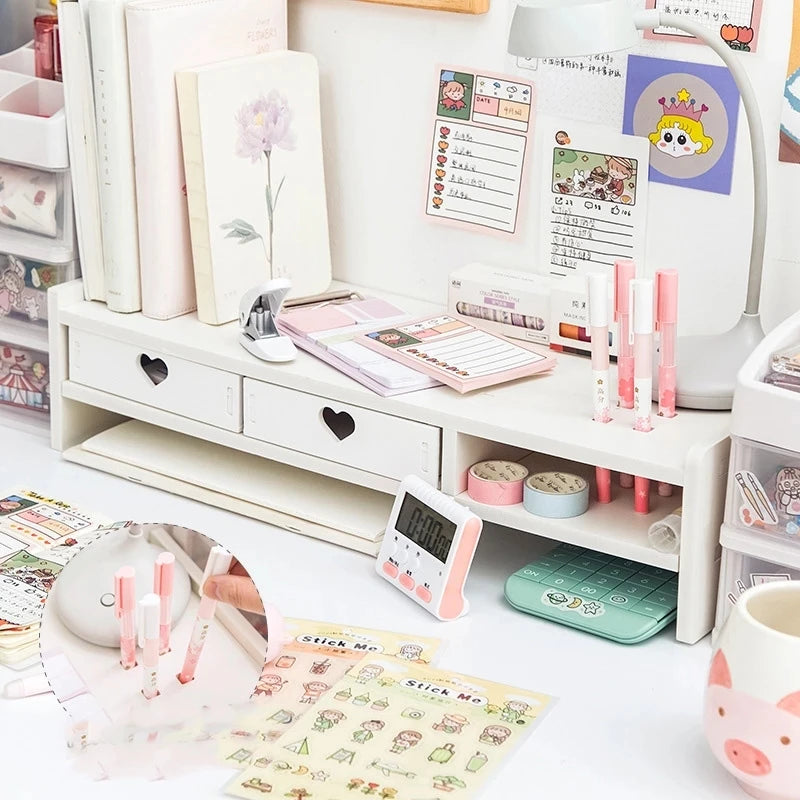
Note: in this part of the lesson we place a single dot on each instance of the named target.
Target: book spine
(82, 143)
(194, 170)
(115, 154)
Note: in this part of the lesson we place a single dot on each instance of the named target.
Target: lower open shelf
(613, 528)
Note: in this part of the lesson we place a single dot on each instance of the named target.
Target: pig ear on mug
(791, 703)
(721, 674)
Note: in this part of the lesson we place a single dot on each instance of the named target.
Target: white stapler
(257, 313)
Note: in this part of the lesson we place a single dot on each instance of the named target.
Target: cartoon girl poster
(455, 94)
(688, 112)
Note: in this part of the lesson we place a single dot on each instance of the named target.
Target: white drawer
(163, 381)
(364, 439)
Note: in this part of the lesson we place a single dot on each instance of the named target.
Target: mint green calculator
(612, 597)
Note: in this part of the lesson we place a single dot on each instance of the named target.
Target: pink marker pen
(642, 306)
(125, 609)
(641, 495)
(163, 581)
(219, 562)
(666, 324)
(624, 273)
(150, 613)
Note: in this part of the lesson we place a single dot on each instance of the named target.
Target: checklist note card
(594, 201)
(480, 140)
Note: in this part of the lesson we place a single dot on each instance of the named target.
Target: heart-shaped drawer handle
(154, 368)
(339, 423)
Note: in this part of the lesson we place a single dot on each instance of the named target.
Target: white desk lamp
(707, 365)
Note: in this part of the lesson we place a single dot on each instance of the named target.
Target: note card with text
(594, 198)
(481, 135)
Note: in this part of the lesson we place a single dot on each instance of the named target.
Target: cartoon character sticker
(269, 685)
(679, 132)
(393, 338)
(455, 95)
(405, 740)
(495, 734)
(368, 673)
(313, 690)
(367, 731)
(327, 719)
(514, 711)
(451, 723)
(12, 282)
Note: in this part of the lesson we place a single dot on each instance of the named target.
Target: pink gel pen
(125, 609)
(218, 563)
(666, 324)
(149, 615)
(624, 273)
(163, 582)
(642, 306)
(598, 322)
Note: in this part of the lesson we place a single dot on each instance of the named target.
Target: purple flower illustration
(262, 126)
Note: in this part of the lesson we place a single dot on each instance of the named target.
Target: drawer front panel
(361, 438)
(182, 387)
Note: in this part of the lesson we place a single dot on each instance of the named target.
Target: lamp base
(708, 365)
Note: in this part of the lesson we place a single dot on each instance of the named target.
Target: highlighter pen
(598, 323)
(642, 306)
(163, 582)
(666, 324)
(125, 609)
(219, 562)
(641, 495)
(624, 273)
(28, 686)
(150, 612)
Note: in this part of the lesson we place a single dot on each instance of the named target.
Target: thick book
(252, 150)
(73, 30)
(115, 150)
(165, 36)
(461, 355)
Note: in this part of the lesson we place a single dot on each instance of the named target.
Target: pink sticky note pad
(310, 320)
(372, 308)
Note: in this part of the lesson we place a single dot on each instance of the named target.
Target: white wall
(378, 66)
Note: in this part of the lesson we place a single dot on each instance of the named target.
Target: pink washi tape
(496, 483)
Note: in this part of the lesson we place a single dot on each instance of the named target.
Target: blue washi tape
(556, 495)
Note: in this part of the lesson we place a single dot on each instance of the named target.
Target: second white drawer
(361, 438)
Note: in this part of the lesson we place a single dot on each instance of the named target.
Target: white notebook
(252, 149)
(165, 36)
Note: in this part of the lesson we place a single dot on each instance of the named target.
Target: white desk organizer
(317, 453)
(765, 434)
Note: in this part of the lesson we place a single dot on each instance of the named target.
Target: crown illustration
(684, 106)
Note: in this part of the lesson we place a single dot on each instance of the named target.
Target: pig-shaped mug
(752, 703)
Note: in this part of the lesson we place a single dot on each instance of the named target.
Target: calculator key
(574, 572)
(633, 590)
(662, 598)
(649, 609)
(648, 581)
(571, 548)
(587, 590)
(390, 569)
(658, 572)
(424, 594)
(602, 581)
(562, 556)
(533, 573)
(547, 564)
(407, 582)
(560, 581)
(617, 599)
(634, 566)
(669, 588)
(587, 562)
(615, 571)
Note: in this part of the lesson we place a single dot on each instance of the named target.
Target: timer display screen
(425, 527)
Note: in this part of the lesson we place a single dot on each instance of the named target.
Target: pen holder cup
(752, 703)
(84, 594)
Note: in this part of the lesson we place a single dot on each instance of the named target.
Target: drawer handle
(154, 368)
(340, 423)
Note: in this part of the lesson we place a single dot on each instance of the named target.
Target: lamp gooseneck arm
(654, 19)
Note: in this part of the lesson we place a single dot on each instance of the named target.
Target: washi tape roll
(496, 483)
(556, 495)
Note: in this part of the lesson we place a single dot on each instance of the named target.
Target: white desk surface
(627, 723)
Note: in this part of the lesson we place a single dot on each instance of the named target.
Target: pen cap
(624, 273)
(598, 299)
(124, 590)
(666, 297)
(642, 305)
(148, 612)
(219, 562)
(164, 574)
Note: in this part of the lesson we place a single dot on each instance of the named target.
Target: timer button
(424, 594)
(407, 582)
(401, 557)
(390, 569)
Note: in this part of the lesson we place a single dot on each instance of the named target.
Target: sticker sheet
(481, 135)
(594, 202)
(736, 22)
(393, 729)
(318, 655)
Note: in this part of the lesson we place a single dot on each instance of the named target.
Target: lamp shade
(549, 28)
